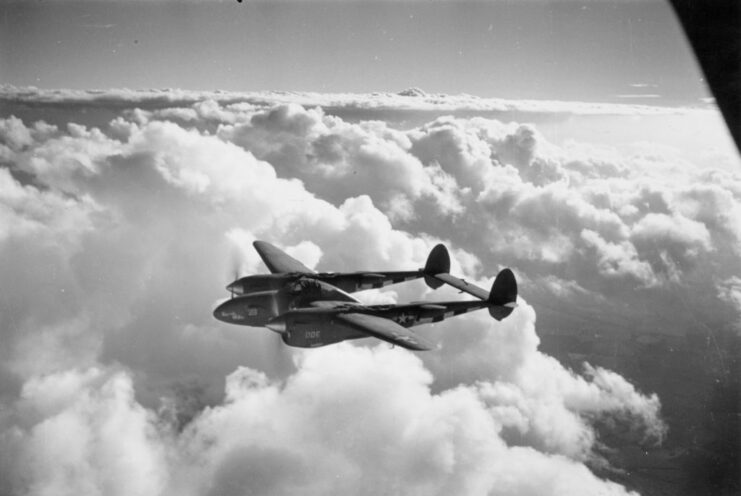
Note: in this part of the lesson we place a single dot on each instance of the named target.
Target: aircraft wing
(279, 261)
(384, 329)
(358, 281)
(438, 262)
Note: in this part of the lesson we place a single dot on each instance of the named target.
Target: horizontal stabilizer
(463, 286)
(502, 298)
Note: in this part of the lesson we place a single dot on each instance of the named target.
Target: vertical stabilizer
(438, 262)
(503, 295)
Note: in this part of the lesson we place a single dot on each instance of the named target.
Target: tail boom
(502, 299)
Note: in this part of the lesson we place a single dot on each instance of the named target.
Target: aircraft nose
(218, 311)
(222, 310)
(278, 324)
(230, 311)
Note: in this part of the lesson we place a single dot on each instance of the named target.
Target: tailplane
(503, 296)
(438, 262)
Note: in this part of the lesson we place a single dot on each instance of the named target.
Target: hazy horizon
(592, 51)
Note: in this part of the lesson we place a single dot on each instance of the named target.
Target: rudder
(503, 295)
(438, 262)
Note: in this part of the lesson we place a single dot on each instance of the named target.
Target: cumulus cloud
(120, 237)
(338, 160)
(82, 432)
(729, 290)
(405, 100)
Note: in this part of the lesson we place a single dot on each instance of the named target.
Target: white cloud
(119, 239)
(618, 260)
(671, 244)
(83, 432)
(338, 160)
(14, 133)
(47, 216)
(376, 101)
(729, 291)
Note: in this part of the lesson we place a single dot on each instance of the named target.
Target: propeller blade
(235, 264)
(234, 269)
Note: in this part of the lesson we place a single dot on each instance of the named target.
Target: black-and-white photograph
(382, 247)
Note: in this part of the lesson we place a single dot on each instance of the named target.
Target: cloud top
(118, 237)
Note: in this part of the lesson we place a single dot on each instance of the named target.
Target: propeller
(235, 269)
(278, 347)
(278, 326)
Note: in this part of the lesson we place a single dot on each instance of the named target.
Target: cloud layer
(118, 237)
(82, 432)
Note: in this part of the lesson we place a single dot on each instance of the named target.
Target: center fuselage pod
(257, 308)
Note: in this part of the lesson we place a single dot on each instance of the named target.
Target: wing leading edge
(279, 261)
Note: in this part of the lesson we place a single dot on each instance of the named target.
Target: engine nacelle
(258, 283)
(254, 309)
(308, 329)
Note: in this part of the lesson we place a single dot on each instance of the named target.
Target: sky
(123, 210)
(594, 51)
